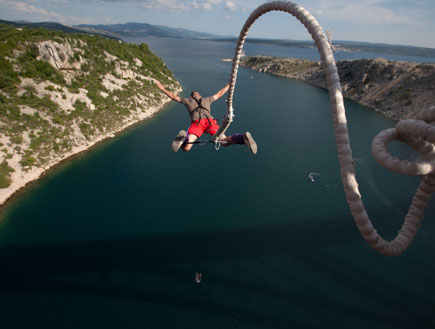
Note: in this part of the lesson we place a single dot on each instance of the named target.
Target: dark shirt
(202, 113)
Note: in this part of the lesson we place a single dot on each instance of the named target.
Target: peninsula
(62, 93)
(397, 89)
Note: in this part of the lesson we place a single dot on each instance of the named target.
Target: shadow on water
(93, 268)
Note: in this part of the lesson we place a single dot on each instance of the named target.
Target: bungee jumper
(199, 109)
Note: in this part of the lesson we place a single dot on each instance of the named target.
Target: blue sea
(113, 238)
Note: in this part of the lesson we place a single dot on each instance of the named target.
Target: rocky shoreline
(21, 179)
(399, 90)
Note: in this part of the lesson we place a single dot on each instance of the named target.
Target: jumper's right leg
(179, 140)
(190, 138)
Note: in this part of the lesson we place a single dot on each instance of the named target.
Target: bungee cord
(419, 134)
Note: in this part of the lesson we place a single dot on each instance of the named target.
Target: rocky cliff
(62, 93)
(397, 89)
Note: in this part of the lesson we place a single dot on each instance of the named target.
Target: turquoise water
(113, 238)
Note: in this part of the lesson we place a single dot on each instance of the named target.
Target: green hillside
(63, 91)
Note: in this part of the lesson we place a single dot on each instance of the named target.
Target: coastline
(399, 90)
(23, 179)
(65, 95)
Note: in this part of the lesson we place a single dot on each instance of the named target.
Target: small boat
(198, 277)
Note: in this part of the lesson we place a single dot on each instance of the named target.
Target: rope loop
(419, 134)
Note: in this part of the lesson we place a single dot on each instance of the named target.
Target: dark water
(113, 239)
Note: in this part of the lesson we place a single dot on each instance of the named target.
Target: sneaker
(178, 141)
(249, 141)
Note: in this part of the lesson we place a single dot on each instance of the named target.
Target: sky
(403, 22)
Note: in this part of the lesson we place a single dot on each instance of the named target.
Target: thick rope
(419, 134)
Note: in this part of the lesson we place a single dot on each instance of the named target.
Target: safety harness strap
(200, 109)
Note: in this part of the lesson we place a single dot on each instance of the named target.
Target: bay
(113, 238)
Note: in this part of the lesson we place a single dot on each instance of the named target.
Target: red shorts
(198, 127)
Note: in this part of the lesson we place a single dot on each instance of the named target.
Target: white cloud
(316, 12)
(175, 4)
(398, 22)
(179, 4)
(161, 4)
(28, 9)
(362, 11)
(60, 2)
(230, 5)
(201, 5)
(109, 20)
(227, 17)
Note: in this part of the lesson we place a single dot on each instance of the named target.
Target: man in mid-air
(199, 109)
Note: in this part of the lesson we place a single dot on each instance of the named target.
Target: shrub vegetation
(27, 109)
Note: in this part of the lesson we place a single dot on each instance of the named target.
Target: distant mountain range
(144, 29)
(350, 46)
(51, 26)
(120, 31)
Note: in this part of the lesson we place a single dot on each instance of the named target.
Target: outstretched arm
(221, 92)
(167, 93)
